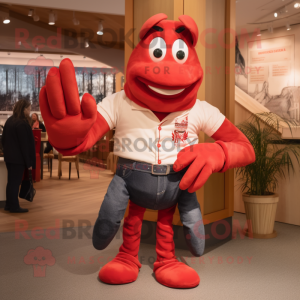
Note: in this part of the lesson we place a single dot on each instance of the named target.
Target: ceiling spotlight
(286, 9)
(100, 28)
(75, 21)
(270, 29)
(275, 14)
(61, 56)
(86, 43)
(288, 27)
(258, 32)
(6, 19)
(51, 18)
(297, 5)
(8, 53)
(35, 17)
(30, 13)
(84, 57)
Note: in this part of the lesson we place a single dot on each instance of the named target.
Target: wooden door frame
(230, 19)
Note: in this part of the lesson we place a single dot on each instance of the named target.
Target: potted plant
(259, 180)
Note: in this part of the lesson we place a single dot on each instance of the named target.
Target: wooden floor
(58, 200)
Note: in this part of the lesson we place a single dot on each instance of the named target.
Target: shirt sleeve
(212, 118)
(108, 108)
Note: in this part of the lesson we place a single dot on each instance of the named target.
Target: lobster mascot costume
(157, 119)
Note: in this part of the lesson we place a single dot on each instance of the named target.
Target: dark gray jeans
(150, 191)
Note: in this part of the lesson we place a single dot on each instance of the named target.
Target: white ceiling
(261, 12)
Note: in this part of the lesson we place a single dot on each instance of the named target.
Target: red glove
(204, 159)
(72, 127)
(232, 149)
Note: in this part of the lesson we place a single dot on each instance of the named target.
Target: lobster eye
(157, 53)
(180, 54)
(180, 51)
(157, 49)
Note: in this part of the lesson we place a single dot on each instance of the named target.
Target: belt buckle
(155, 173)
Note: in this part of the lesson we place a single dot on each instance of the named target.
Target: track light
(35, 17)
(259, 32)
(275, 14)
(270, 29)
(288, 27)
(100, 28)
(86, 43)
(75, 21)
(30, 13)
(6, 19)
(51, 18)
(297, 5)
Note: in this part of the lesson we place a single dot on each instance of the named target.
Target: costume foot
(175, 274)
(124, 268)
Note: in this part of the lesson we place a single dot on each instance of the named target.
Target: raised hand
(72, 127)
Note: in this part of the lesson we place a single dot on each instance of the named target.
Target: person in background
(36, 123)
(19, 152)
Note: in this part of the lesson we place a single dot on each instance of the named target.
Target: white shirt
(141, 136)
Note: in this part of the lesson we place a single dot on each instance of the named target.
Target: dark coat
(18, 143)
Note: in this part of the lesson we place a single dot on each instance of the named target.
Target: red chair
(36, 173)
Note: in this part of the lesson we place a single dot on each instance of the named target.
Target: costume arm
(237, 148)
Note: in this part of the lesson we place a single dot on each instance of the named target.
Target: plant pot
(260, 214)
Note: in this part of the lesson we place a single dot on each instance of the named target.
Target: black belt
(145, 167)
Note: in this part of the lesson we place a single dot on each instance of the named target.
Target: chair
(68, 159)
(50, 157)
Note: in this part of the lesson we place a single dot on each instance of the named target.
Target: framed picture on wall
(266, 77)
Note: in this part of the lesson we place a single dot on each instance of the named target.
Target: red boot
(124, 268)
(168, 270)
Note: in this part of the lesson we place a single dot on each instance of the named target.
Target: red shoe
(175, 274)
(167, 269)
(124, 268)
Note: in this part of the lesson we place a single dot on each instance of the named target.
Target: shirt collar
(172, 115)
(135, 106)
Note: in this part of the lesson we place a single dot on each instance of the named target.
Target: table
(43, 140)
